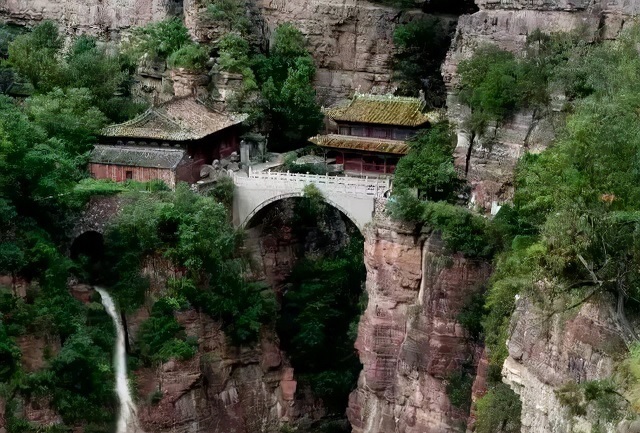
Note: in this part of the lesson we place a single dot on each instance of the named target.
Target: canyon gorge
(409, 340)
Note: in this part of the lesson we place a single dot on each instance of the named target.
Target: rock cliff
(488, 163)
(98, 17)
(547, 352)
(222, 389)
(408, 339)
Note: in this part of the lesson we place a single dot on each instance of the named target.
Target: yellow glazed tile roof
(383, 110)
(179, 119)
(337, 141)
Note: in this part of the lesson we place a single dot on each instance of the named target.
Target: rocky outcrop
(488, 162)
(351, 41)
(98, 17)
(548, 351)
(408, 339)
(222, 389)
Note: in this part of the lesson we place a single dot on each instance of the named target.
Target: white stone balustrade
(354, 196)
(357, 186)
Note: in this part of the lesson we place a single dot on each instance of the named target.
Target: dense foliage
(323, 299)
(428, 167)
(231, 15)
(40, 58)
(159, 40)
(495, 84)
(289, 111)
(193, 233)
(574, 221)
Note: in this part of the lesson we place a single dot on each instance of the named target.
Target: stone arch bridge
(354, 196)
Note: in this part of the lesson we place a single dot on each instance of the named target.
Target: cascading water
(127, 419)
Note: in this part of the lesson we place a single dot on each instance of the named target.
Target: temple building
(170, 142)
(367, 134)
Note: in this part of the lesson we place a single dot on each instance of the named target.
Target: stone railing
(360, 186)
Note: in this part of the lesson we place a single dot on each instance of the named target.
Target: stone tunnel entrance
(87, 251)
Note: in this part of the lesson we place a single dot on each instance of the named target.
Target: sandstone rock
(93, 16)
(408, 339)
(36, 351)
(547, 352)
(222, 389)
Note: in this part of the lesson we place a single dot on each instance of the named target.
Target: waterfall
(127, 418)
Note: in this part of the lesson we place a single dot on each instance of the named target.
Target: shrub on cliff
(320, 303)
(232, 14)
(192, 57)
(495, 84)
(40, 58)
(498, 411)
(159, 40)
(194, 234)
(462, 230)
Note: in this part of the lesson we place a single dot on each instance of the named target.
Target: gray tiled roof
(137, 156)
(177, 120)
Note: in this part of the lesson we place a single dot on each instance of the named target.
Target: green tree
(495, 84)
(232, 14)
(235, 56)
(194, 234)
(288, 107)
(321, 301)
(192, 57)
(68, 115)
(428, 167)
(159, 40)
(33, 55)
(498, 411)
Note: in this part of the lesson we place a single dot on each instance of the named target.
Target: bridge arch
(297, 194)
(354, 196)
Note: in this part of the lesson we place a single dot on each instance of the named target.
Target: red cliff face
(222, 389)
(408, 340)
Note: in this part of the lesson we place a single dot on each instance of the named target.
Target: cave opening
(449, 7)
(312, 255)
(87, 252)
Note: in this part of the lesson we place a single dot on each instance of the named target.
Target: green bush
(161, 337)
(192, 57)
(495, 84)
(160, 39)
(231, 14)
(472, 315)
(498, 411)
(288, 106)
(428, 167)
(459, 384)
(222, 191)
